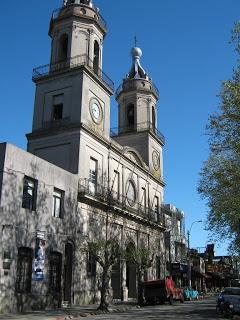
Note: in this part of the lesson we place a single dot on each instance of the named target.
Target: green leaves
(141, 257)
(220, 175)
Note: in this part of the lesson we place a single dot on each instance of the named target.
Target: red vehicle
(160, 291)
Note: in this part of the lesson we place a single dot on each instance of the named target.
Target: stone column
(124, 284)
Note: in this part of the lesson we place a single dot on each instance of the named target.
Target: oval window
(131, 193)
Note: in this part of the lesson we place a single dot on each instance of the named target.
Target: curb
(92, 313)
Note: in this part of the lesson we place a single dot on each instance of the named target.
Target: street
(196, 310)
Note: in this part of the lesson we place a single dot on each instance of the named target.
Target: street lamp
(189, 256)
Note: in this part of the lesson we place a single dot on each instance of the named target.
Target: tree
(106, 253)
(142, 259)
(220, 175)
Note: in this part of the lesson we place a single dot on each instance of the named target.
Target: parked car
(230, 295)
(190, 293)
(159, 291)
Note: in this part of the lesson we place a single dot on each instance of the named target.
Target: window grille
(55, 269)
(24, 270)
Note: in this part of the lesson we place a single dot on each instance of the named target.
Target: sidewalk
(66, 313)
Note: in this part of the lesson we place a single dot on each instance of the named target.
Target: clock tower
(137, 99)
(72, 91)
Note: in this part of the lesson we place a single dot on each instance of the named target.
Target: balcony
(117, 202)
(139, 127)
(69, 64)
(180, 238)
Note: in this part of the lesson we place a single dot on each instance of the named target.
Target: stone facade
(77, 182)
(175, 244)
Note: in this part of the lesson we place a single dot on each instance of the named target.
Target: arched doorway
(131, 281)
(68, 269)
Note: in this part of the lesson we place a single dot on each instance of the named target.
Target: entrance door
(116, 280)
(68, 267)
(131, 275)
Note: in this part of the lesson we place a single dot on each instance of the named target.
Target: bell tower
(72, 91)
(137, 99)
(77, 30)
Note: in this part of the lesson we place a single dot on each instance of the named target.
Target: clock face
(156, 160)
(96, 111)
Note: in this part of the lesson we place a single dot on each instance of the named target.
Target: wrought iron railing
(71, 63)
(116, 200)
(181, 238)
(139, 127)
(56, 123)
(62, 11)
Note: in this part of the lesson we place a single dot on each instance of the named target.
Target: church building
(79, 180)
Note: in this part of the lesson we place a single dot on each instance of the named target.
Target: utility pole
(189, 254)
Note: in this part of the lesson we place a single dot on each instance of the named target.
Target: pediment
(133, 155)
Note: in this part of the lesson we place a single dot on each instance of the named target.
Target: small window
(57, 107)
(24, 270)
(116, 185)
(91, 264)
(55, 270)
(57, 209)
(144, 200)
(96, 57)
(156, 209)
(63, 48)
(131, 193)
(153, 119)
(57, 112)
(29, 193)
(93, 175)
(130, 115)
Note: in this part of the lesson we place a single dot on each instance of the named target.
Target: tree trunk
(104, 291)
(140, 288)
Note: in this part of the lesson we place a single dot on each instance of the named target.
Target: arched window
(131, 193)
(96, 57)
(24, 269)
(130, 115)
(130, 271)
(153, 119)
(63, 48)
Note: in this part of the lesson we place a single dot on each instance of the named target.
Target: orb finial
(136, 71)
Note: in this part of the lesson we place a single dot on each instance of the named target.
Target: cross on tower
(135, 40)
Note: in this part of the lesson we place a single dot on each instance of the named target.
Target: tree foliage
(220, 176)
(142, 259)
(106, 253)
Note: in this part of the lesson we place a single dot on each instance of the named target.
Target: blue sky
(185, 50)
